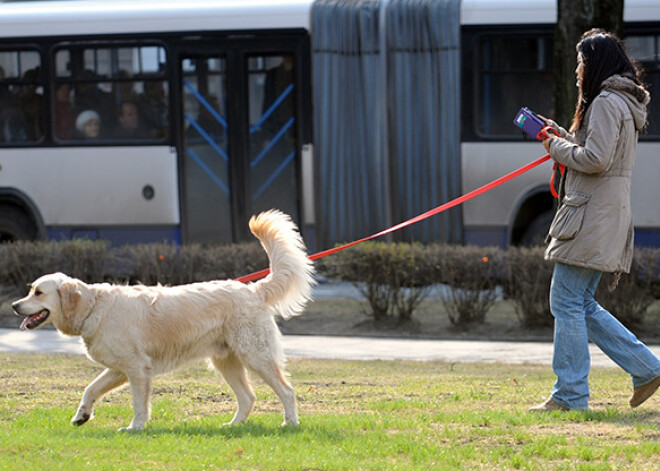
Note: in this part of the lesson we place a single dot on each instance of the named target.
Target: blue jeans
(578, 319)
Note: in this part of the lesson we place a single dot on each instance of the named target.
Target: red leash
(428, 214)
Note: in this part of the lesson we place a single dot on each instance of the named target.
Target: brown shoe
(548, 406)
(642, 393)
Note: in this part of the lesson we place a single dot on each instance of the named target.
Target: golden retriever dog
(138, 332)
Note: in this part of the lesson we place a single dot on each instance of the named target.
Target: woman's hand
(547, 121)
(546, 144)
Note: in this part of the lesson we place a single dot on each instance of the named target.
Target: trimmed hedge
(394, 278)
(402, 271)
(472, 275)
(173, 265)
(634, 293)
(95, 261)
(528, 286)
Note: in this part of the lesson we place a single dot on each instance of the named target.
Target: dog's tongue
(24, 324)
(33, 320)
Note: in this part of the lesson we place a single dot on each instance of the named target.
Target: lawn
(354, 415)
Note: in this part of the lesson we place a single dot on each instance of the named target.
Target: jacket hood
(636, 97)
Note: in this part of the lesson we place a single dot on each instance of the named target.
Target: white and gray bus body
(230, 121)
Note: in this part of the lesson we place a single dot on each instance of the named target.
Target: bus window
(21, 97)
(208, 189)
(122, 89)
(646, 50)
(512, 70)
(273, 140)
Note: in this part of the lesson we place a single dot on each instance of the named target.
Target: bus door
(243, 125)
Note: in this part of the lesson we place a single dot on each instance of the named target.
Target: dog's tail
(288, 287)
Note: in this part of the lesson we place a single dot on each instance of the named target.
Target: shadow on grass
(207, 428)
(334, 429)
(250, 429)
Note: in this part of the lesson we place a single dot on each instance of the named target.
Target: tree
(574, 17)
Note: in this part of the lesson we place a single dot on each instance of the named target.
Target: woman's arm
(602, 134)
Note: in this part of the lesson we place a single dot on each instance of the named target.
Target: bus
(199, 113)
(160, 120)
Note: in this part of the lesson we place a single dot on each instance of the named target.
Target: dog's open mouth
(35, 320)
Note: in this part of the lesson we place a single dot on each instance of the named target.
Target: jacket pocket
(568, 220)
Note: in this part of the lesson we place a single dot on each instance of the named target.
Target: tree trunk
(574, 17)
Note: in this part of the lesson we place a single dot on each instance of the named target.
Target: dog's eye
(38, 293)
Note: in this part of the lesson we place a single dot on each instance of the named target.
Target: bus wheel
(537, 231)
(15, 225)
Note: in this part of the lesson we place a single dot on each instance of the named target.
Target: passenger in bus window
(277, 87)
(124, 90)
(592, 231)
(31, 103)
(6, 95)
(88, 96)
(152, 106)
(88, 125)
(65, 116)
(128, 122)
(13, 125)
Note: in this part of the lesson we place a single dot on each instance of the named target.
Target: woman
(592, 232)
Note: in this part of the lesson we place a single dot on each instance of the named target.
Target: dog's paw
(132, 429)
(136, 426)
(80, 418)
(233, 423)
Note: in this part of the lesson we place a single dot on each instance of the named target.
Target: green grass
(354, 415)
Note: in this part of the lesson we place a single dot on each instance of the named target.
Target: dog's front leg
(105, 382)
(141, 389)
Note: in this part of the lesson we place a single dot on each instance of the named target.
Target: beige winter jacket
(593, 226)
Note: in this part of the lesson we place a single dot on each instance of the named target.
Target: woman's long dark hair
(603, 55)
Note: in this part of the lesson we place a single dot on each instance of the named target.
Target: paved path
(345, 348)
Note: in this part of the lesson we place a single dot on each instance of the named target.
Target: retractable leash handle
(530, 123)
(534, 126)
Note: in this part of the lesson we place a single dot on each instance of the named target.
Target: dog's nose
(15, 306)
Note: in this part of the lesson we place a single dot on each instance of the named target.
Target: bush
(22, 262)
(529, 277)
(472, 275)
(634, 293)
(528, 285)
(95, 261)
(392, 277)
(173, 265)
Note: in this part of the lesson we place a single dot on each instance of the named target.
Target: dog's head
(56, 299)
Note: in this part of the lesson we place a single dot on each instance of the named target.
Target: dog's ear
(69, 297)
